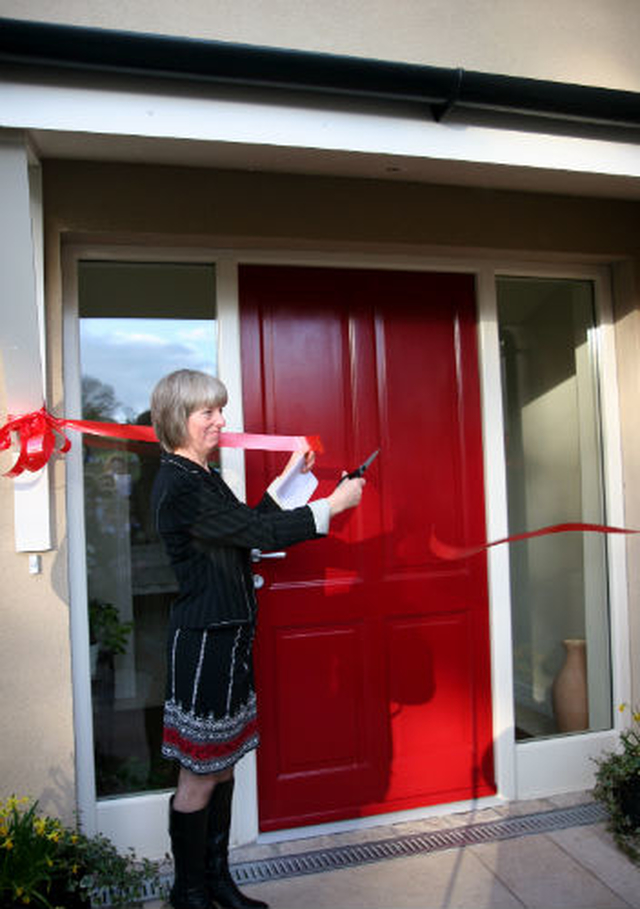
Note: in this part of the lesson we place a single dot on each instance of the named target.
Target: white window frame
(569, 757)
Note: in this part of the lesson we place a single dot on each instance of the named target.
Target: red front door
(373, 656)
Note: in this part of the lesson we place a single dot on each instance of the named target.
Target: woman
(210, 709)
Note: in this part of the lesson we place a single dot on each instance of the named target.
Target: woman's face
(203, 430)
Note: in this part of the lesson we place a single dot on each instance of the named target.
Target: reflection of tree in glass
(99, 402)
(108, 469)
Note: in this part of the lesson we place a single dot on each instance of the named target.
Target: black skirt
(210, 716)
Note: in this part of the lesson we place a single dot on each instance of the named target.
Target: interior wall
(592, 42)
(551, 492)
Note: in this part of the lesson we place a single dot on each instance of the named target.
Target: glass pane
(554, 475)
(137, 322)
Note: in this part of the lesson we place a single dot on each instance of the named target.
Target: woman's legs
(188, 828)
(210, 702)
(194, 790)
(221, 887)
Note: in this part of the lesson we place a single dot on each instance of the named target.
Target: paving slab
(596, 850)
(543, 875)
(455, 879)
(568, 799)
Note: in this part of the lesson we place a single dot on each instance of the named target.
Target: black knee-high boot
(221, 887)
(188, 831)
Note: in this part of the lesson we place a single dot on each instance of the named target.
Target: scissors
(359, 471)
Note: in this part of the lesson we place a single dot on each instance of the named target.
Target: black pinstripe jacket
(209, 534)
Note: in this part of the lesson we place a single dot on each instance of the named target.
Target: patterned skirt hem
(205, 744)
(211, 765)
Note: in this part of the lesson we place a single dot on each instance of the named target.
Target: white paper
(294, 488)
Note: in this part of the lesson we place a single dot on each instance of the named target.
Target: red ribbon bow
(40, 435)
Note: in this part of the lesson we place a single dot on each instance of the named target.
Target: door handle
(257, 555)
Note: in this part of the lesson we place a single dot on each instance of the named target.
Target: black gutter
(440, 88)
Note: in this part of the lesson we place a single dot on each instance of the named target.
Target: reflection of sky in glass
(132, 354)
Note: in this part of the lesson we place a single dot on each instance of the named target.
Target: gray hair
(175, 398)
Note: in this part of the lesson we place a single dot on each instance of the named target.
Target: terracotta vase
(569, 690)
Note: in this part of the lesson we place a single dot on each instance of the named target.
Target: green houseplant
(617, 788)
(46, 864)
(105, 628)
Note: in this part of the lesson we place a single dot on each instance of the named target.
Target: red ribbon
(452, 553)
(40, 434)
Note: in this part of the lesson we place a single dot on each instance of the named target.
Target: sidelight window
(559, 589)
(138, 321)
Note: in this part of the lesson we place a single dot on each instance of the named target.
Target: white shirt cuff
(321, 515)
(273, 493)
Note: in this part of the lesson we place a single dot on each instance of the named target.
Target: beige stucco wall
(162, 205)
(592, 42)
(37, 757)
(196, 202)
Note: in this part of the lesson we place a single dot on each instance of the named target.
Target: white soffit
(165, 122)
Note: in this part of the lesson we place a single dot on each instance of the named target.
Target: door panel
(429, 684)
(332, 735)
(372, 656)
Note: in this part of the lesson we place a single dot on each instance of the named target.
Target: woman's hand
(346, 495)
(309, 460)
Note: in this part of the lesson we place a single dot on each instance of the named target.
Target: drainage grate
(332, 859)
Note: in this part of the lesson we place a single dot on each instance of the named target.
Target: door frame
(519, 767)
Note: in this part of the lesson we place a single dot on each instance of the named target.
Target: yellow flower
(74, 869)
(54, 836)
(8, 844)
(19, 891)
(74, 839)
(40, 826)
(635, 714)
